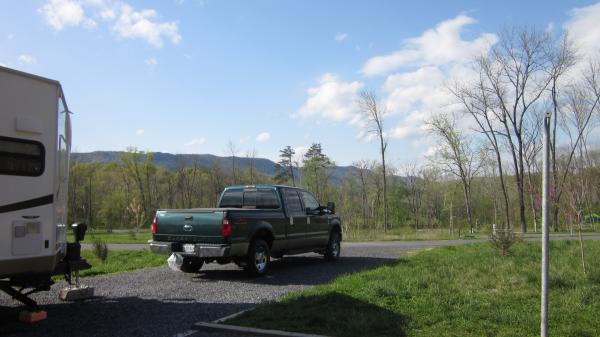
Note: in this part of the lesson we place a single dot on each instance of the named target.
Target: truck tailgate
(201, 225)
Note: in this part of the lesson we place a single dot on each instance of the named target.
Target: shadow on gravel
(125, 316)
(297, 270)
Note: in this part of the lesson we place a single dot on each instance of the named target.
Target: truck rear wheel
(191, 264)
(258, 259)
(332, 252)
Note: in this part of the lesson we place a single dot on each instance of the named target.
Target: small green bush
(100, 249)
(502, 240)
(132, 234)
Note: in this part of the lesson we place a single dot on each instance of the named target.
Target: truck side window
(294, 206)
(267, 199)
(309, 200)
(232, 198)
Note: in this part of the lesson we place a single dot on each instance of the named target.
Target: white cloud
(139, 132)
(108, 14)
(406, 89)
(432, 151)
(332, 99)
(437, 46)
(28, 59)
(143, 25)
(60, 14)
(195, 141)
(299, 152)
(152, 61)
(263, 137)
(584, 30)
(340, 37)
(123, 20)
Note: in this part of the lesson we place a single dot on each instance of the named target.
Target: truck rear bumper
(199, 249)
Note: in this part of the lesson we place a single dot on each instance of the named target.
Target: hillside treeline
(125, 194)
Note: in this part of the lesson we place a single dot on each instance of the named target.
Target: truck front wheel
(191, 264)
(332, 252)
(258, 259)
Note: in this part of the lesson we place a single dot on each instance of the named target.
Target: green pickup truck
(250, 225)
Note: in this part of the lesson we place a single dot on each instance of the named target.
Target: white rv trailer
(35, 142)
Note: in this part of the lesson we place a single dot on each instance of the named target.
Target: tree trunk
(385, 208)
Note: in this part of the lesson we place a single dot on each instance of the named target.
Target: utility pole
(545, 236)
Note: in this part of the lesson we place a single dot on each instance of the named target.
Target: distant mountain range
(173, 161)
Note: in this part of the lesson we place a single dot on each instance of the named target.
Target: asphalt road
(161, 302)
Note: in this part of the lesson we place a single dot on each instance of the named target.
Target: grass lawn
(121, 261)
(455, 291)
(128, 237)
(401, 234)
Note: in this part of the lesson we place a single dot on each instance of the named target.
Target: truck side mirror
(331, 207)
(79, 230)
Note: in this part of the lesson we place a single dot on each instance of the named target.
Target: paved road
(160, 302)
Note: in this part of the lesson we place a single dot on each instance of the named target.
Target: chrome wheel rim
(260, 259)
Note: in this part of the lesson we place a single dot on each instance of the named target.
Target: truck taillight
(154, 226)
(225, 228)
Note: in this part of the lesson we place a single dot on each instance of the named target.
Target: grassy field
(120, 237)
(456, 291)
(122, 261)
(400, 234)
(395, 234)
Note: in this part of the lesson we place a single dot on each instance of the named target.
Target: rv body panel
(34, 151)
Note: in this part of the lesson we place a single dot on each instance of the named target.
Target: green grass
(128, 237)
(401, 234)
(455, 291)
(121, 261)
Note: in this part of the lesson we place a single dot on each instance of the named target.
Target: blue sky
(187, 76)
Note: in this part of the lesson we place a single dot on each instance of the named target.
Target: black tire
(191, 264)
(334, 247)
(258, 258)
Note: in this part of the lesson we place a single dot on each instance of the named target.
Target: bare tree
(563, 58)
(232, 149)
(457, 156)
(413, 184)
(475, 100)
(251, 156)
(138, 167)
(582, 105)
(362, 167)
(532, 149)
(374, 112)
(187, 179)
(516, 73)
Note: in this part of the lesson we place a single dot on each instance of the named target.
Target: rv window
(21, 157)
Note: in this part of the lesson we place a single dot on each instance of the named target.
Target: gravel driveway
(160, 302)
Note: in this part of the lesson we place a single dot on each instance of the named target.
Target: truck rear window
(21, 157)
(262, 198)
